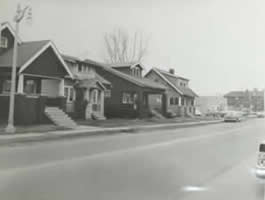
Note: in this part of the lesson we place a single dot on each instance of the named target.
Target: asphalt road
(207, 162)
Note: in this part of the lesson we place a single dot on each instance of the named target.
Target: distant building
(252, 100)
(207, 104)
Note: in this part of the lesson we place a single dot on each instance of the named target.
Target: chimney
(171, 71)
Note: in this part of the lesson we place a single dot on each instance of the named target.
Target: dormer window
(136, 72)
(3, 42)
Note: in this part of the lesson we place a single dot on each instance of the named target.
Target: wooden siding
(171, 93)
(6, 33)
(113, 104)
(47, 64)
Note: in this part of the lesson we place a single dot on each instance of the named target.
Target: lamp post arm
(20, 15)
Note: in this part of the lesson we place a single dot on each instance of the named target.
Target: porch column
(20, 87)
(164, 104)
(61, 88)
(102, 103)
(179, 101)
(140, 104)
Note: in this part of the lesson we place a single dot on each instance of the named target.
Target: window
(127, 98)
(136, 72)
(171, 101)
(83, 68)
(182, 101)
(6, 86)
(66, 91)
(94, 96)
(133, 71)
(69, 93)
(30, 87)
(3, 42)
(176, 101)
(79, 68)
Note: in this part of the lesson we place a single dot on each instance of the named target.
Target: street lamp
(20, 14)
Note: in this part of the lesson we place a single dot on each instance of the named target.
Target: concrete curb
(56, 135)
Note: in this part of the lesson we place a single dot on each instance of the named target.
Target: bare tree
(122, 48)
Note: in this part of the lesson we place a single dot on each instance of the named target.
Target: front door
(95, 100)
(69, 94)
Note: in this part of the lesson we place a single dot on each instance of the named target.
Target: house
(210, 104)
(85, 93)
(179, 97)
(40, 77)
(47, 80)
(241, 100)
(130, 91)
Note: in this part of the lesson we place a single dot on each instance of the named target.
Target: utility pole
(20, 14)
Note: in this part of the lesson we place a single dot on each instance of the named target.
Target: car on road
(260, 167)
(233, 116)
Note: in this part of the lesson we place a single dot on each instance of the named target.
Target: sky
(218, 44)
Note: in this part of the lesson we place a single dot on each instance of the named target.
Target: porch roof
(90, 83)
(97, 78)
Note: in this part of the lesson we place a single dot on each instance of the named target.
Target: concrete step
(60, 118)
(157, 114)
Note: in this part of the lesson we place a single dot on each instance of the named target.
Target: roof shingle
(26, 50)
(173, 80)
(142, 82)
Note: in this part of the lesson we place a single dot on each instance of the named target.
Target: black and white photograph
(132, 100)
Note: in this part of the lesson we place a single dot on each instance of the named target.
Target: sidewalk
(82, 131)
(140, 122)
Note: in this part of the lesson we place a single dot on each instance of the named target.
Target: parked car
(260, 167)
(233, 116)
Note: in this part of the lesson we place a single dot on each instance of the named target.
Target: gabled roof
(85, 76)
(70, 58)
(172, 81)
(7, 25)
(171, 75)
(129, 65)
(28, 52)
(142, 82)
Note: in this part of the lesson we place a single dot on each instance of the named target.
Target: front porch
(89, 101)
(33, 94)
(28, 109)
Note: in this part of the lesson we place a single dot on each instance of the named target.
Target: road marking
(194, 189)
